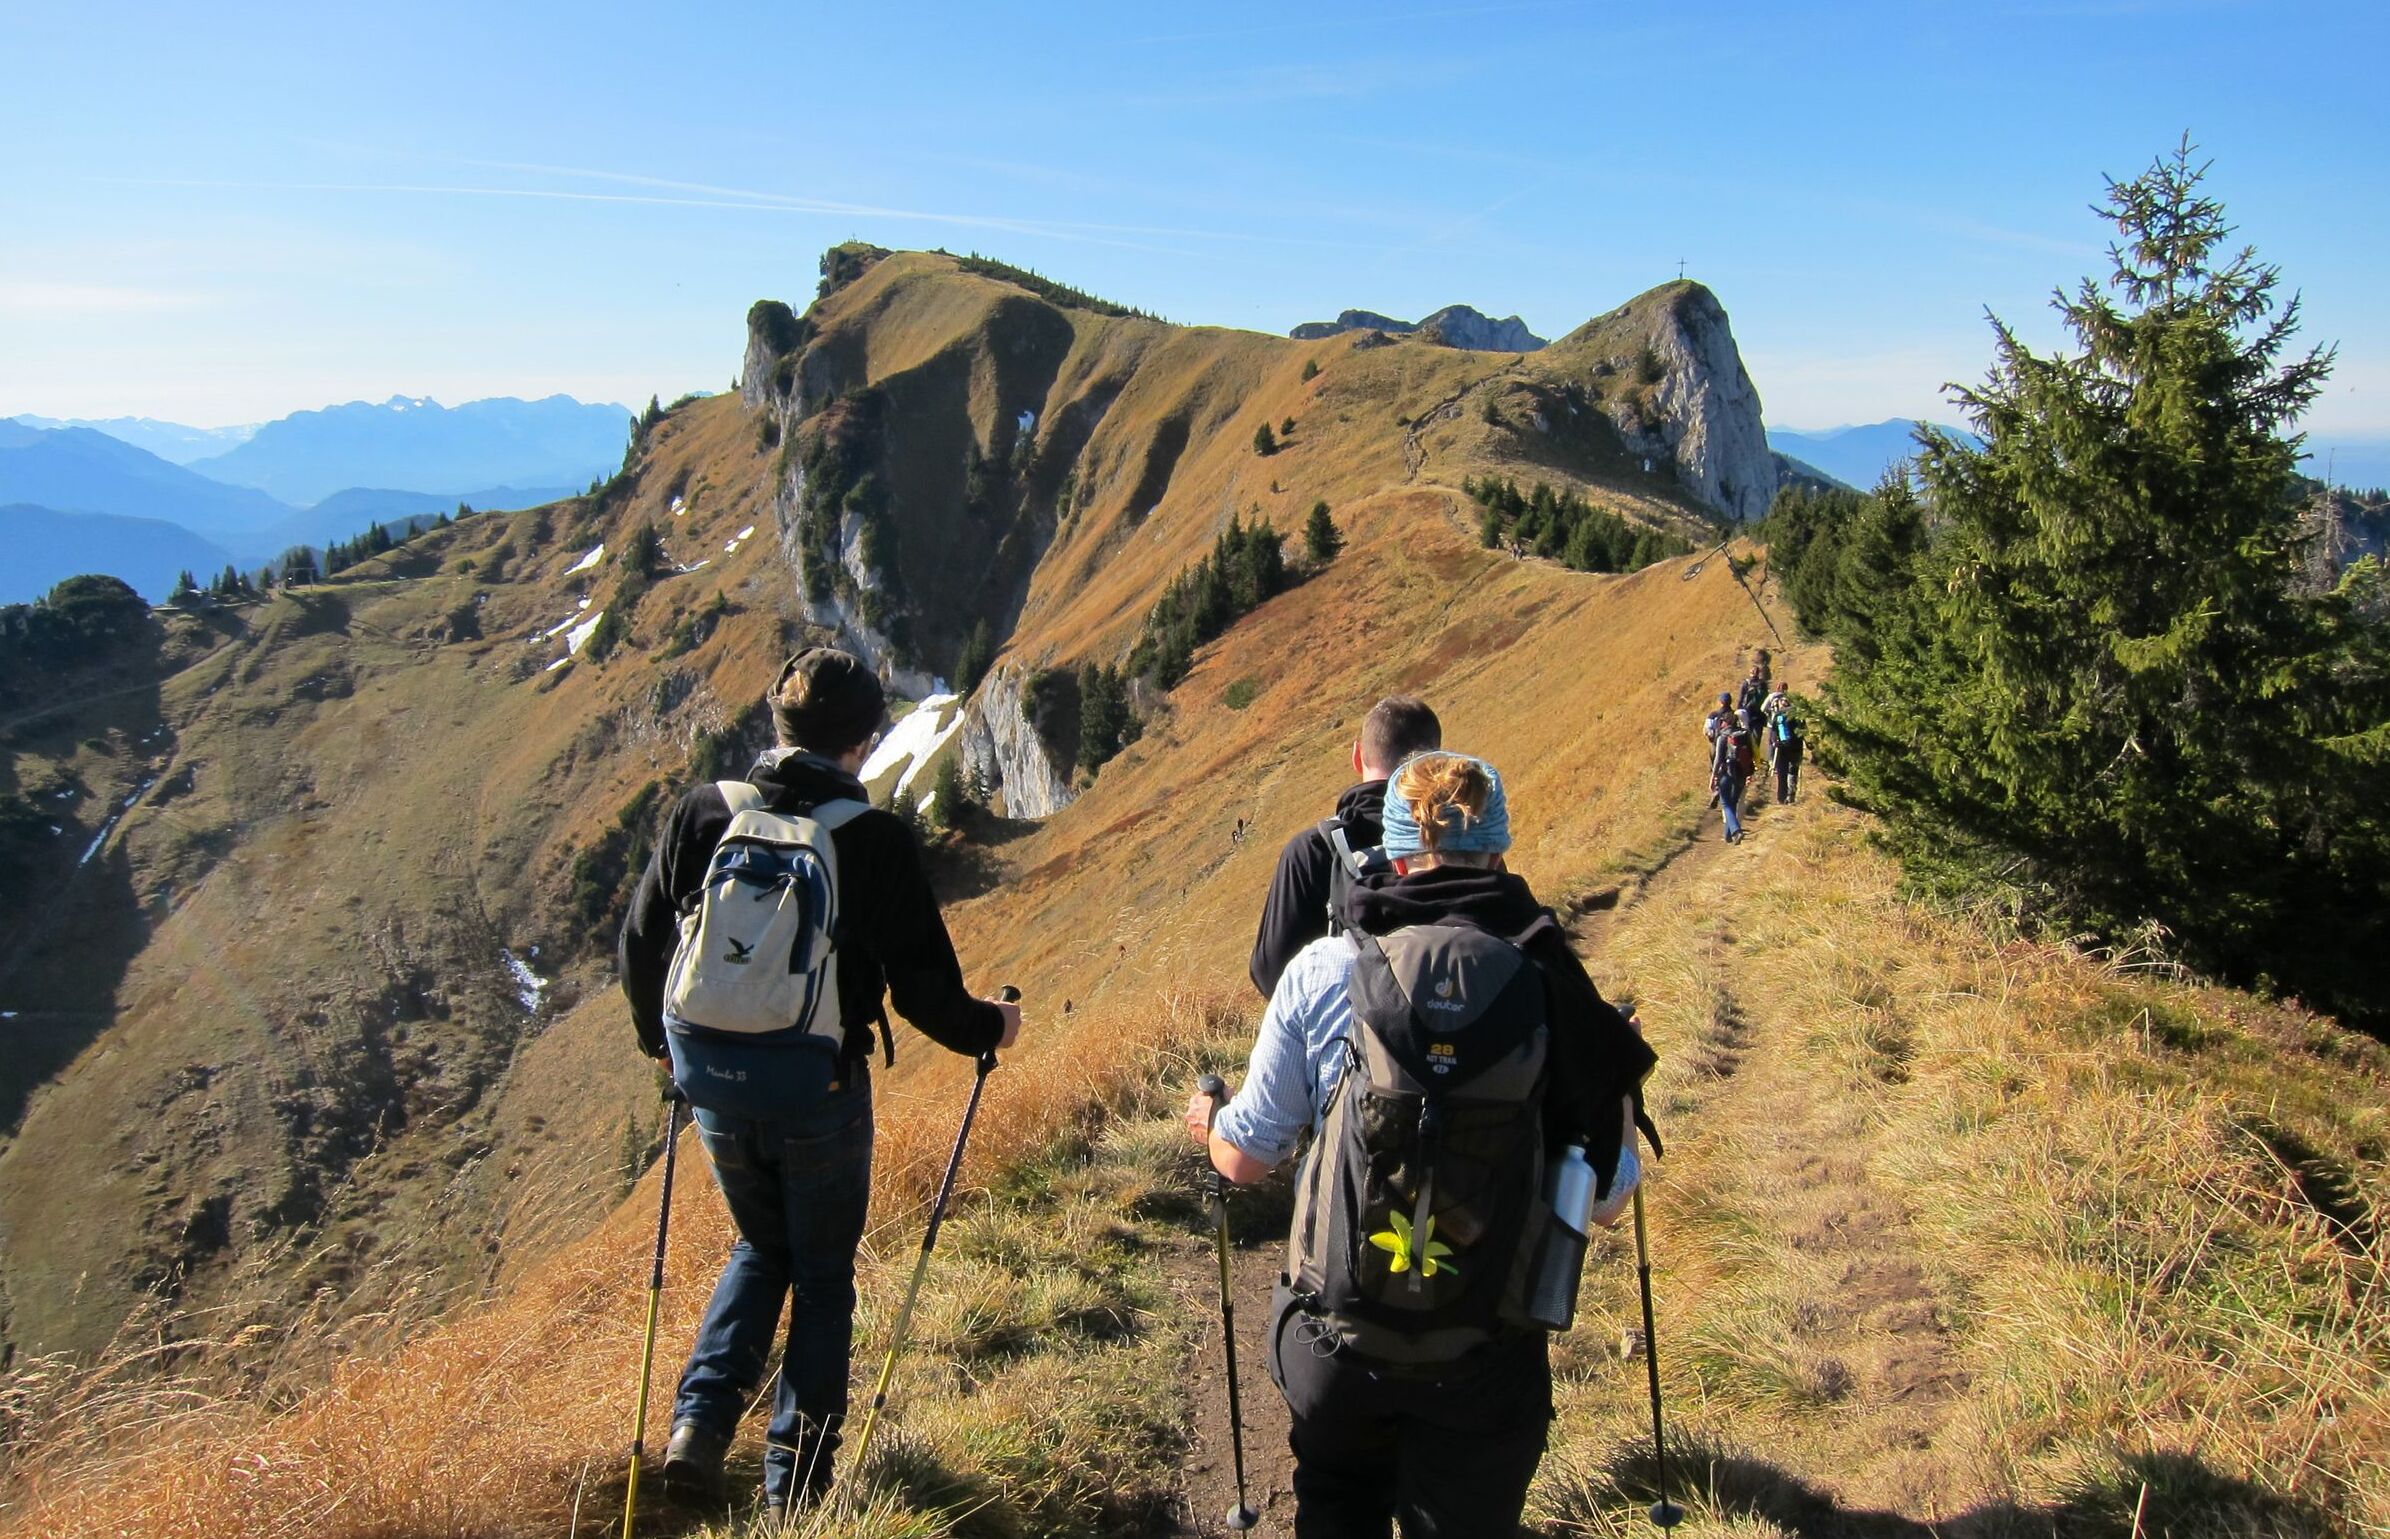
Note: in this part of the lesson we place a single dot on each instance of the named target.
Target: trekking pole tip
(1242, 1517)
(1667, 1514)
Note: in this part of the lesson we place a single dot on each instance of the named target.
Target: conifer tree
(2083, 662)
(1320, 535)
(1265, 442)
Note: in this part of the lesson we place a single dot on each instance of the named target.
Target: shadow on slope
(2144, 1493)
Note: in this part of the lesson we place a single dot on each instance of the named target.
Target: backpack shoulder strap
(1340, 845)
(839, 812)
(739, 795)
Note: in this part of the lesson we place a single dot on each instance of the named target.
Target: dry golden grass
(1037, 1394)
(1988, 1237)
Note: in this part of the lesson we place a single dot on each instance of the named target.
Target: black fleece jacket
(893, 939)
(1597, 1061)
(1296, 912)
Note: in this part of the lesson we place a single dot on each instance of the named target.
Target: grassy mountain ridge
(1957, 1234)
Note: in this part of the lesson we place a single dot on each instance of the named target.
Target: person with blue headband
(1420, 1391)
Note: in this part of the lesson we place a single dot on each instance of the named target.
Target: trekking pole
(655, 1295)
(1241, 1516)
(1664, 1512)
(929, 1241)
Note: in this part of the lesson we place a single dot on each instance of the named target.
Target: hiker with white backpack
(1463, 1082)
(778, 914)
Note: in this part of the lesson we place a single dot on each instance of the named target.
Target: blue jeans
(797, 1186)
(1730, 797)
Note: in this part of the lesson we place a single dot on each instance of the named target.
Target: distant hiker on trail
(778, 1074)
(1784, 754)
(1755, 692)
(1420, 1390)
(1317, 866)
(1716, 721)
(1779, 701)
(1730, 771)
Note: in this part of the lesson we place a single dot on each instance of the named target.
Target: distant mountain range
(1857, 456)
(45, 547)
(418, 445)
(306, 479)
(81, 470)
(169, 441)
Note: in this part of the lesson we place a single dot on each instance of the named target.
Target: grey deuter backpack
(758, 952)
(1420, 1207)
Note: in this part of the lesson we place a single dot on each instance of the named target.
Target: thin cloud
(37, 297)
(1060, 228)
(1341, 23)
(751, 203)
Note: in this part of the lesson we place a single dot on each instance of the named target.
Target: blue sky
(223, 213)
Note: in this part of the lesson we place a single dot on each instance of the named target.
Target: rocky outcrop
(1001, 744)
(1453, 326)
(829, 605)
(1669, 376)
(1460, 326)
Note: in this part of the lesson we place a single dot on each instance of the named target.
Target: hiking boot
(693, 1463)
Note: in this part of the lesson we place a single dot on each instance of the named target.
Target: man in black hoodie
(787, 1123)
(1304, 890)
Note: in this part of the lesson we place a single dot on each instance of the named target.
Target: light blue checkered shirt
(1298, 1057)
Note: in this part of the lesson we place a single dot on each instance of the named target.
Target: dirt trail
(1209, 1473)
(1876, 1377)
(1766, 1119)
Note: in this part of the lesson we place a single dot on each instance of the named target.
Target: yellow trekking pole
(929, 1240)
(655, 1295)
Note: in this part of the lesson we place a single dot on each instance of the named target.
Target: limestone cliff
(1000, 743)
(1665, 369)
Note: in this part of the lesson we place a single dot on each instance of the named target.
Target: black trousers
(1450, 1455)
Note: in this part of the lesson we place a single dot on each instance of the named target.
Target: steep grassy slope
(314, 1087)
(377, 791)
(1956, 1236)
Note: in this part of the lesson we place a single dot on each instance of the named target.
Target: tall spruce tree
(2080, 664)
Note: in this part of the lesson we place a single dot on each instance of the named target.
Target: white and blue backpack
(751, 1004)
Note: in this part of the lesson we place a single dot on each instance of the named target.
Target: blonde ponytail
(1433, 782)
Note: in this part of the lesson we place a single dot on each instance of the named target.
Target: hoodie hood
(1496, 902)
(1362, 810)
(786, 775)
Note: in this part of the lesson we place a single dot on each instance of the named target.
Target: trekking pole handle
(1214, 1087)
(1011, 996)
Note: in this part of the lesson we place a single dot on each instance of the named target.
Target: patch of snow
(586, 562)
(738, 540)
(1026, 422)
(7, 1015)
(97, 840)
(55, 829)
(684, 570)
(578, 637)
(915, 740)
(562, 662)
(583, 604)
(561, 626)
(528, 984)
(680, 505)
(67, 795)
